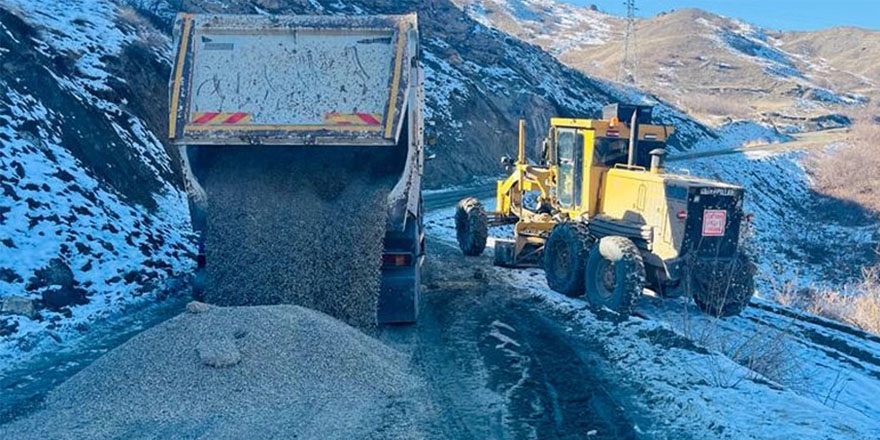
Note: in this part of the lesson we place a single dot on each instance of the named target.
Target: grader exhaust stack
(302, 147)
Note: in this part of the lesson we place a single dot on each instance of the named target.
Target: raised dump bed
(303, 158)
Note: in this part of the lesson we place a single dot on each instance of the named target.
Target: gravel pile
(234, 373)
(300, 225)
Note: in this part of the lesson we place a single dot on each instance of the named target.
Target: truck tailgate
(290, 80)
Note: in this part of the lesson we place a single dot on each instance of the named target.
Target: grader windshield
(570, 142)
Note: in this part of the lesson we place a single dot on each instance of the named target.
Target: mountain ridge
(710, 65)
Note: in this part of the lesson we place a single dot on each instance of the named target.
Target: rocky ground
(496, 354)
(211, 372)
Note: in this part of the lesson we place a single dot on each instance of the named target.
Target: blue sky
(773, 14)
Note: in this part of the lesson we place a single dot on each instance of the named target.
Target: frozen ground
(770, 373)
(781, 364)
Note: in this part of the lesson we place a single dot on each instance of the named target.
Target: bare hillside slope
(712, 66)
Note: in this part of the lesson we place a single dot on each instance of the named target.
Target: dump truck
(604, 219)
(344, 92)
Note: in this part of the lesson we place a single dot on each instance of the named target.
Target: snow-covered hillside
(91, 219)
(94, 220)
(555, 26)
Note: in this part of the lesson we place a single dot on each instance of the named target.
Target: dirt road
(802, 141)
(504, 359)
(501, 365)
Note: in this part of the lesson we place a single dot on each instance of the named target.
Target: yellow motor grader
(604, 219)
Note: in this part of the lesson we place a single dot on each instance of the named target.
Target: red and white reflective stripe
(235, 118)
(335, 118)
(220, 118)
(204, 118)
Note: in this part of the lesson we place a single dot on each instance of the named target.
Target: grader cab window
(570, 145)
(612, 151)
(609, 152)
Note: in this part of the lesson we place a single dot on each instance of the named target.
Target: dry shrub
(851, 172)
(147, 33)
(718, 106)
(856, 304)
(765, 354)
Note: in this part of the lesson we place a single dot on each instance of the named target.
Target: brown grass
(147, 33)
(857, 304)
(765, 354)
(851, 172)
(716, 106)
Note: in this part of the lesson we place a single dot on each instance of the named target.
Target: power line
(629, 66)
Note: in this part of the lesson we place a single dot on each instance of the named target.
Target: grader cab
(604, 219)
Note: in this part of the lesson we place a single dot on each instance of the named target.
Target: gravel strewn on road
(301, 225)
(301, 374)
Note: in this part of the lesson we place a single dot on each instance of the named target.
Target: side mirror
(507, 162)
(545, 151)
(430, 133)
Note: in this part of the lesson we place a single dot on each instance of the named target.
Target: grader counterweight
(604, 219)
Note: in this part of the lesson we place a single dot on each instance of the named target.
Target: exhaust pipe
(658, 160)
(633, 135)
(521, 145)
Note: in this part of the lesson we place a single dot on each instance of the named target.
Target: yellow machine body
(587, 175)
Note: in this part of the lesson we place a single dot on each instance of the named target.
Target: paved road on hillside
(801, 141)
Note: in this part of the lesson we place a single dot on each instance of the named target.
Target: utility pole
(629, 66)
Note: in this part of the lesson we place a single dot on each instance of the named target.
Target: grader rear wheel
(724, 289)
(615, 275)
(565, 254)
(471, 226)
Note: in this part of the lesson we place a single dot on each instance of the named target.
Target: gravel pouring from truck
(350, 84)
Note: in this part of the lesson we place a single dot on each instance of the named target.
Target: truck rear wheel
(471, 226)
(565, 254)
(615, 275)
(724, 289)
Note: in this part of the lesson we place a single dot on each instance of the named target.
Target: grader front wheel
(565, 254)
(471, 226)
(615, 275)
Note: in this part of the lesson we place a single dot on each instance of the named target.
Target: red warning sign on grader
(714, 221)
